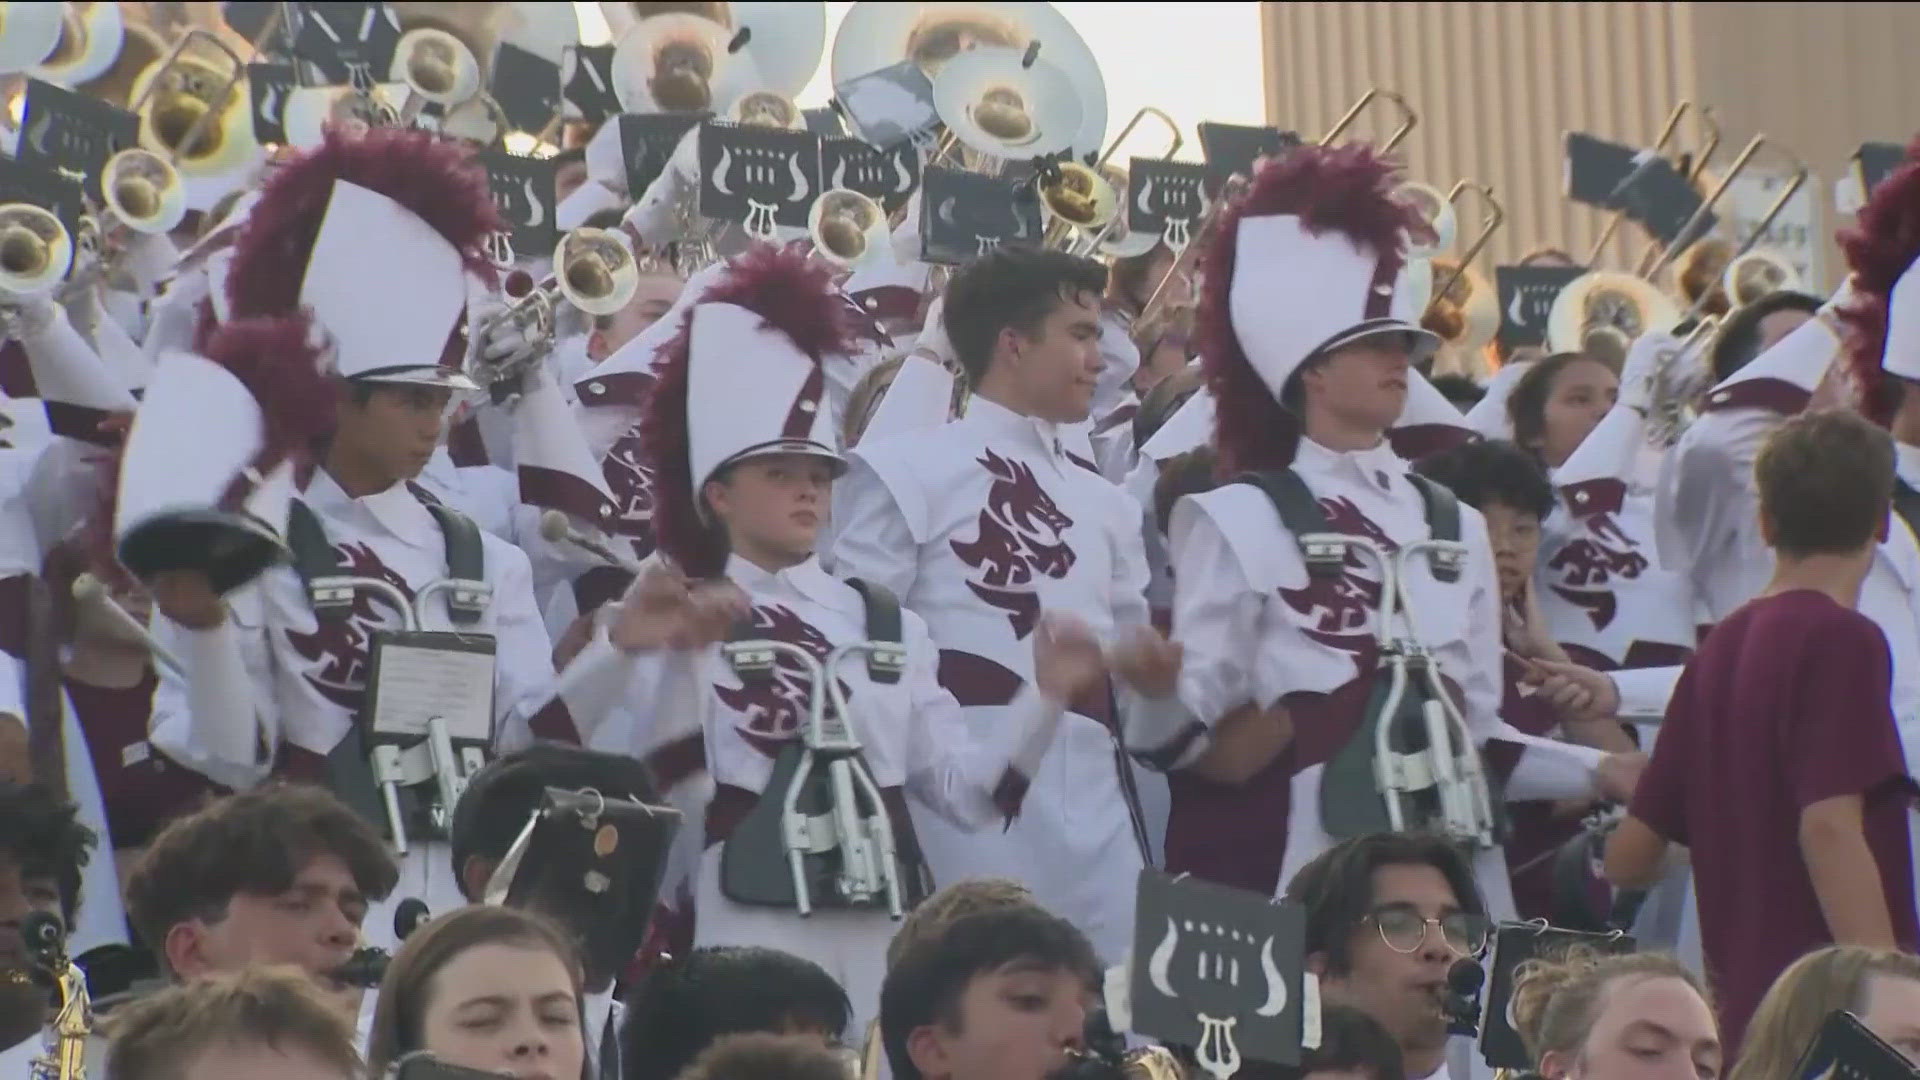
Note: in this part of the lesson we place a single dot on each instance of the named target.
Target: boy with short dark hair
(1001, 995)
(1779, 765)
(280, 874)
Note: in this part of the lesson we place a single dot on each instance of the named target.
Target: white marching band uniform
(977, 527)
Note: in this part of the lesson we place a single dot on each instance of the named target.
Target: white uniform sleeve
(1216, 615)
(873, 542)
(952, 769)
(1644, 692)
(523, 678)
(1706, 503)
(217, 720)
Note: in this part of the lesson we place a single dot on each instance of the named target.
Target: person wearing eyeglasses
(1387, 916)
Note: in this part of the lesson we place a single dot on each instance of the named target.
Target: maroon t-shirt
(1785, 704)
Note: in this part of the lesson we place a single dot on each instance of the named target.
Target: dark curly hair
(255, 842)
(42, 836)
(684, 1007)
(1492, 471)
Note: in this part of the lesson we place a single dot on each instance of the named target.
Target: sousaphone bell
(28, 34)
(1601, 312)
(91, 38)
(1757, 273)
(437, 67)
(1007, 105)
(675, 62)
(874, 36)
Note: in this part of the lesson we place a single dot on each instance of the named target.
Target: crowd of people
(730, 650)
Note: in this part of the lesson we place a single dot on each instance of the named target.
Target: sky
(1137, 45)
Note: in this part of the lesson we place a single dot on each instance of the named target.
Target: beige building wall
(1498, 83)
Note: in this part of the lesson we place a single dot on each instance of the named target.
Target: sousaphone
(878, 35)
(675, 63)
(1757, 273)
(28, 34)
(1005, 105)
(1602, 312)
(92, 37)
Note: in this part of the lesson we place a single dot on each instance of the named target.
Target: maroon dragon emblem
(341, 644)
(1586, 567)
(1341, 608)
(1021, 534)
(631, 483)
(775, 705)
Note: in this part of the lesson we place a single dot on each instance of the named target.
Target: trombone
(1492, 215)
(179, 117)
(1409, 119)
(1796, 181)
(1076, 198)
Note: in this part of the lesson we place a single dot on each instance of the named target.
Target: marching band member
(980, 525)
(1600, 585)
(745, 479)
(1310, 361)
(379, 232)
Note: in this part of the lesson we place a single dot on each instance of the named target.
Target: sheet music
(414, 683)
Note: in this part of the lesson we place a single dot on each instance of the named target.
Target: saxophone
(73, 1023)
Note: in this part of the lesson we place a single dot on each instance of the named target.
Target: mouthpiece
(554, 527)
(45, 937)
(1461, 1000)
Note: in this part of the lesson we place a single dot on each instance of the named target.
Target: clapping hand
(1149, 662)
(1067, 658)
(663, 610)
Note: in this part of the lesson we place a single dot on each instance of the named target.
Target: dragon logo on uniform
(631, 483)
(1021, 536)
(1338, 611)
(338, 649)
(1585, 568)
(773, 708)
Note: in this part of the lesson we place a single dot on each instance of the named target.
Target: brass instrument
(1757, 273)
(143, 191)
(1492, 215)
(671, 62)
(438, 68)
(28, 34)
(199, 117)
(1465, 313)
(1001, 105)
(35, 251)
(1679, 378)
(846, 226)
(1601, 312)
(1116, 239)
(1409, 119)
(1077, 202)
(1437, 210)
(764, 108)
(1700, 272)
(1798, 179)
(594, 271)
(65, 1057)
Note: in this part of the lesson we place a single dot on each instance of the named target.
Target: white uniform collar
(1000, 420)
(396, 509)
(1374, 465)
(1906, 462)
(807, 578)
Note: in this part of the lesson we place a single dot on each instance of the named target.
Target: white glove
(497, 346)
(1642, 366)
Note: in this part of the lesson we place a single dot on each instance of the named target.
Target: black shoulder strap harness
(1300, 512)
(319, 567)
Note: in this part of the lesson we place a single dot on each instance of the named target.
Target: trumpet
(36, 251)
(143, 191)
(594, 270)
(843, 226)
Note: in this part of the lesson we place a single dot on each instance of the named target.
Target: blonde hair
(1557, 998)
(1813, 988)
(159, 1036)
